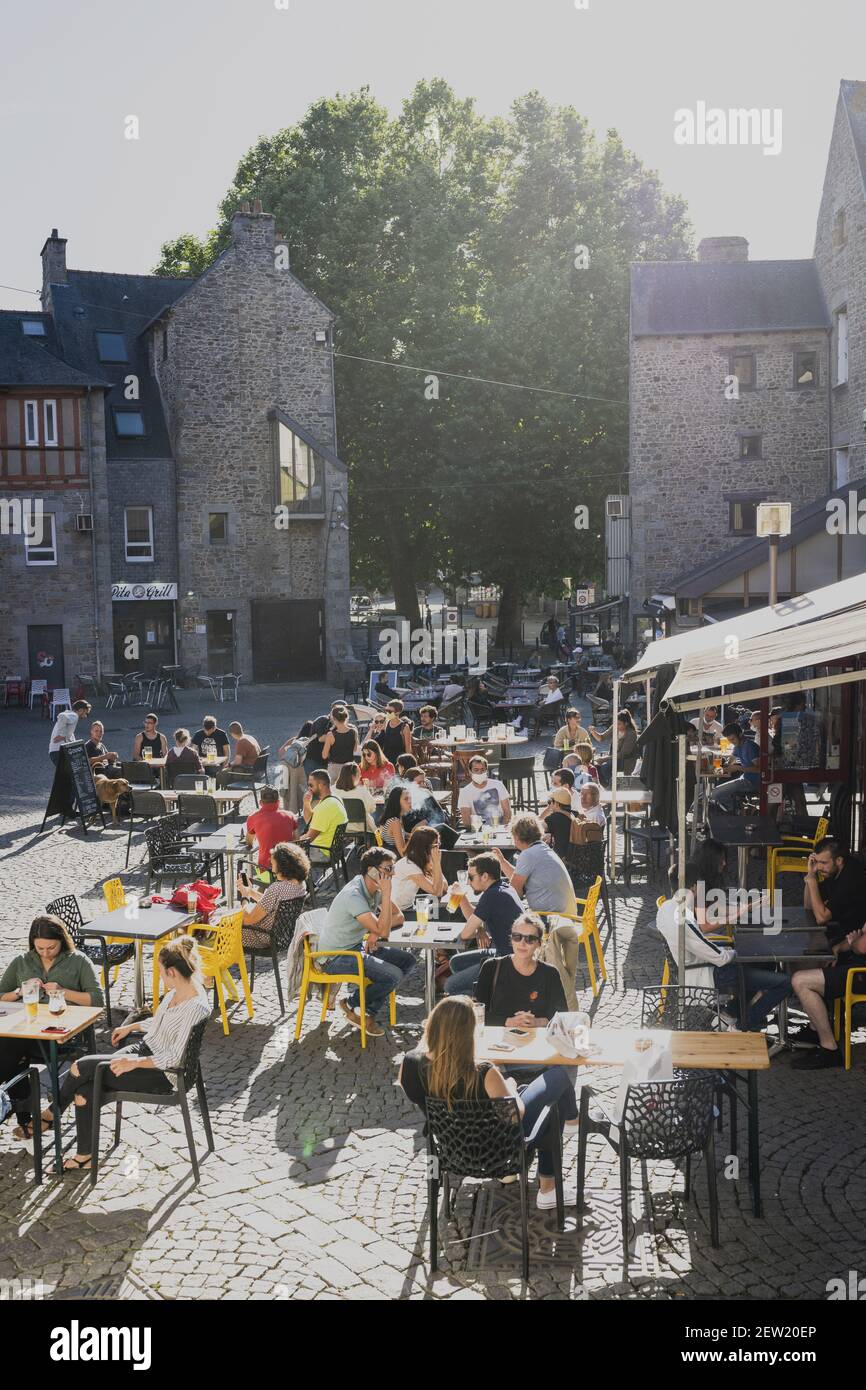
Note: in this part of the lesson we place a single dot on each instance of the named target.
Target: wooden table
(746, 1052)
(471, 841)
(435, 936)
(77, 1019)
(148, 924)
(745, 832)
(211, 766)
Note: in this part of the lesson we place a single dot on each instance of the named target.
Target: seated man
(427, 727)
(539, 875)
(210, 741)
(483, 796)
(712, 965)
(489, 922)
(246, 747)
(97, 754)
(587, 805)
(269, 826)
(728, 795)
(323, 812)
(362, 914)
(708, 725)
(838, 901)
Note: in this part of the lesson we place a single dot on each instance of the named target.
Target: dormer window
(111, 347)
(33, 328)
(128, 424)
(301, 474)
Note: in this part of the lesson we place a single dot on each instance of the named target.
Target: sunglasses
(520, 936)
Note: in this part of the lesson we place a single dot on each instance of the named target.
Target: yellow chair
(219, 953)
(312, 976)
(849, 1001)
(115, 897)
(792, 856)
(588, 933)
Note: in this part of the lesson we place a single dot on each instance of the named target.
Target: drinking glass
(147, 754)
(494, 819)
(422, 911)
(211, 784)
(476, 823)
(463, 878)
(30, 995)
(478, 1010)
(454, 900)
(57, 1002)
(199, 786)
(191, 900)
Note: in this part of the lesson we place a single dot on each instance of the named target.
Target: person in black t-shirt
(97, 753)
(519, 991)
(489, 921)
(209, 740)
(839, 904)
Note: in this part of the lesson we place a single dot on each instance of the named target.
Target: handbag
(296, 752)
(584, 833)
(207, 895)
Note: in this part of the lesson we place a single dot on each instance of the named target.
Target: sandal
(25, 1131)
(73, 1165)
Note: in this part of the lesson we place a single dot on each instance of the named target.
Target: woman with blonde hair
(142, 1065)
(444, 1067)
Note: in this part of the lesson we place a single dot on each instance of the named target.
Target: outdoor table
(800, 919)
(148, 924)
(217, 842)
(436, 936)
(808, 948)
(472, 841)
(221, 797)
(610, 1047)
(636, 792)
(745, 832)
(76, 1019)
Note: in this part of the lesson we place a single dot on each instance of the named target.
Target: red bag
(207, 896)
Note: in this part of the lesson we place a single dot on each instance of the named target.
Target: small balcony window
(301, 474)
(805, 369)
(33, 328)
(751, 446)
(743, 366)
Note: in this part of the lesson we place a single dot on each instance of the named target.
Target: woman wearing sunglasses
(519, 991)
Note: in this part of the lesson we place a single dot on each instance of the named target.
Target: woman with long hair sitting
(375, 768)
(420, 870)
(141, 1066)
(398, 805)
(444, 1067)
(349, 787)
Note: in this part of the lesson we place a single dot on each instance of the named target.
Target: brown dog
(109, 790)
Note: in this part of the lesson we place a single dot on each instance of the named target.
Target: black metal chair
(198, 810)
(146, 805)
(549, 717)
(102, 954)
(356, 825)
(187, 1075)
(7, 1104)
(140, 774)
(189, 781)
(484, 1139)
(173, 858)
(247, 778)
(281, 935)
(652, 840)
(660, 1120)
(332, 859)
(518, 776)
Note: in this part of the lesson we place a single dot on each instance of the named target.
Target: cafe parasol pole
(681, 860)
(613, 772)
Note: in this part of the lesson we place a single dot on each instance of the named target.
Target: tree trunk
(508, 628)
(403, 581)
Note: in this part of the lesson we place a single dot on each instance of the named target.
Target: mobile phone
(521, 1032)
(244, 878)
(55, 1030)
(501, 1047)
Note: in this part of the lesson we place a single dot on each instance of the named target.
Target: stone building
(747, 384)
(198, 509)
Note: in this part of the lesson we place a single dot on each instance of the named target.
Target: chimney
(728, 249)
(53, 266)
(252, 229)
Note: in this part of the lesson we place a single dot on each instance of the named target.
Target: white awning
(805, 608)
(753, 659)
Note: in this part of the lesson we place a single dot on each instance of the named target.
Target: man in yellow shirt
(323, 813)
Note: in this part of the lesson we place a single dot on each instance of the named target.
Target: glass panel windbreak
(301, 474)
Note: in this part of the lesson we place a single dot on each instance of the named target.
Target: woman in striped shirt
(141, 1066)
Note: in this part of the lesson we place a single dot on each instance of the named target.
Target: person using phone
(835, 890)
(291, 869)
(361, 916)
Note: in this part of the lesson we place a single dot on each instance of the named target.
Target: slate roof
(686, 297)
(94, 301)
(749, 554)
(37, 362)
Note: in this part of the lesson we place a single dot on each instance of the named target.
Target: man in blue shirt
(489, 921)
(728, 795)
(362, 914)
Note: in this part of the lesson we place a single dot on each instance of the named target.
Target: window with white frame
(841, 347)
(31, 422)
(49, 422)
(138, 532)
(41, 548)
(840, 468)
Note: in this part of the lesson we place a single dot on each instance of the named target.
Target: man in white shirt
(585, 801)
(64, 728)
(550, 692)
(483, 796)
(708, 725)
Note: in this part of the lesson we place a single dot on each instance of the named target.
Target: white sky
(207, 77)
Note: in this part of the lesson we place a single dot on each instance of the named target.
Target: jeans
(554, 1086)
(775, 984)
(384, 970)
(728, 795)
(465, 969)
(150, 1081)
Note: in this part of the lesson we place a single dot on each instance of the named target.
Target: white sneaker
(546, 1201)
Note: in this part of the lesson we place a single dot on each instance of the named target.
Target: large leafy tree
(448, 246)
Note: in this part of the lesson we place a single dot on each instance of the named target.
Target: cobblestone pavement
(316, 1188)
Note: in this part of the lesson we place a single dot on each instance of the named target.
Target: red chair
(14, 690)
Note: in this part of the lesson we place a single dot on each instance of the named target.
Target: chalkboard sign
(73, 792)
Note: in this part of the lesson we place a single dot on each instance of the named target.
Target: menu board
(73, 792)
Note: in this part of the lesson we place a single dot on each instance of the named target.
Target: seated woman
(626, 747)
(392, 827)
(420, 870)
(52, 959)
(182, 757)
(557, 816)
(426, 809)
(444, 1068)
(375, 768)
(291, 869)
(572, 732)
(141, 1066)
(349, 786)
(581, 765)
(519, 991)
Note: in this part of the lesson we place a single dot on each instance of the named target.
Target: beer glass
(454, 900)
(191, 900)
(422, 911)
(57, 1002)
(30, 995)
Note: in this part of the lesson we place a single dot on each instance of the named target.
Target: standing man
(294, 774)
(64, 728)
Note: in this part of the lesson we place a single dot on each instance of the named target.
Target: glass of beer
(147, 754)
(57, 1002)
(30, 995)
(457, 892)
(191, 900)
(422, 911)
(199, 786)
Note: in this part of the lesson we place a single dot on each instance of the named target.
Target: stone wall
(842, 267)
(685, 440)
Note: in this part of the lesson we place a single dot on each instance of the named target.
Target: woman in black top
(396, 737)
(341, 744)
(518, 991)
(444, 1068)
